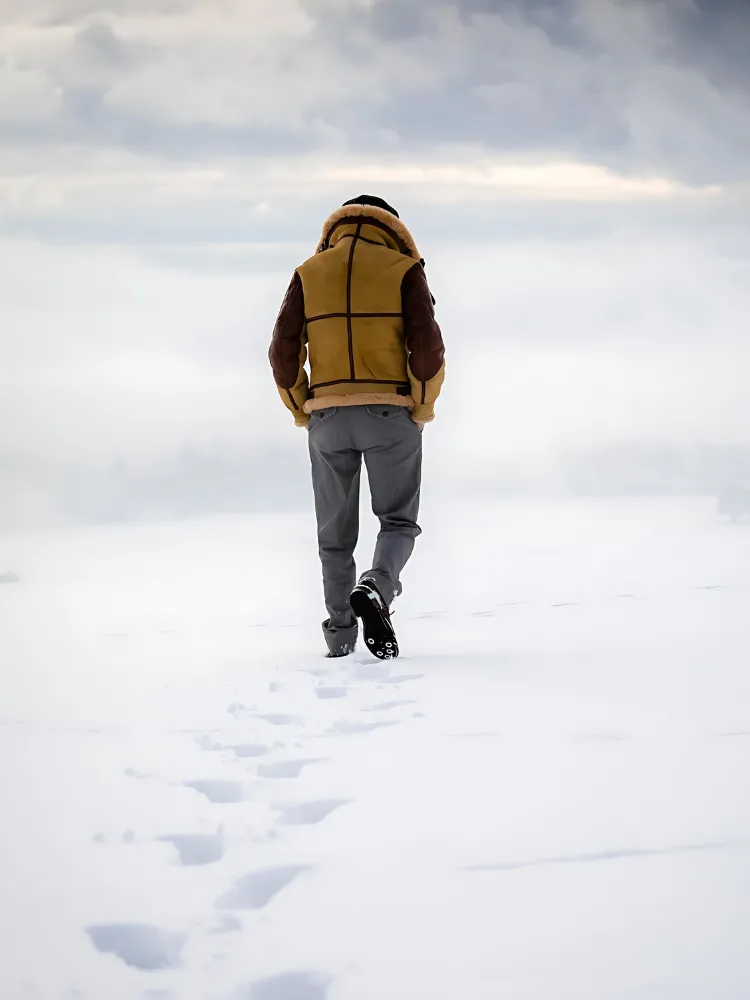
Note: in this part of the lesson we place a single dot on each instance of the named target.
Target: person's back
(362, 308)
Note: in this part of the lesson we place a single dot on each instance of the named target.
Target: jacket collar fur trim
(370, 213)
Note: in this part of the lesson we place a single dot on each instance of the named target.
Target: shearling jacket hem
(359, 399)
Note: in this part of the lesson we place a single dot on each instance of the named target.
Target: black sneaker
(368, 605)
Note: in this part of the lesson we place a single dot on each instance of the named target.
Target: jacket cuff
(423, 414)
(301, 419)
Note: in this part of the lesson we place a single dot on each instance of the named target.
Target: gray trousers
(391, 444)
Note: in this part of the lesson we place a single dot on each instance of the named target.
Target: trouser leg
(394, 470)
(336, 469)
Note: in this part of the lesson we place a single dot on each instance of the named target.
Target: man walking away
(363, 310)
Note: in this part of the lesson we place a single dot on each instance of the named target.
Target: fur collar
(394, 225)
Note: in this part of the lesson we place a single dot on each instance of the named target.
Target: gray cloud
(660, 85)
(715, 34)
(104, 113)
(654, 86)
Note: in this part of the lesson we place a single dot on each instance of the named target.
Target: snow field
(545, 798)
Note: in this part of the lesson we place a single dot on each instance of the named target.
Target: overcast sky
(574, 171)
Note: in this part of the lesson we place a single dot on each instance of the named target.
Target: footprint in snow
(250, 750)
(402, 678)
(132, 772)
(218, 791)
(386, 706)
(289, 986)
(128, 837)
(352, 727)
(238, 710)
(326, 693)
(196, 848)
(309, 813)
(370, 671)
(286, 768)
(208, 743)
(226, 923)
(140, 946)
(280, 719)
(256, 890)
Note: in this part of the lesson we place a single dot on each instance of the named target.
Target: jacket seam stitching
(368, 221)
(354, 315)
(292, 400)
(365, 239)
(360, 381)
(349, 329)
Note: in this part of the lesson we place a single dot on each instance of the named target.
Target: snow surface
(546, 798)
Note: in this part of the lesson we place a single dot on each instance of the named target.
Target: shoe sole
(380, 638)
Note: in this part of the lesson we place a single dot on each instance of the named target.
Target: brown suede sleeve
(424, 341)
(286, 342)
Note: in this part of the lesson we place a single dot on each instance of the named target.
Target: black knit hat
(371, 199)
